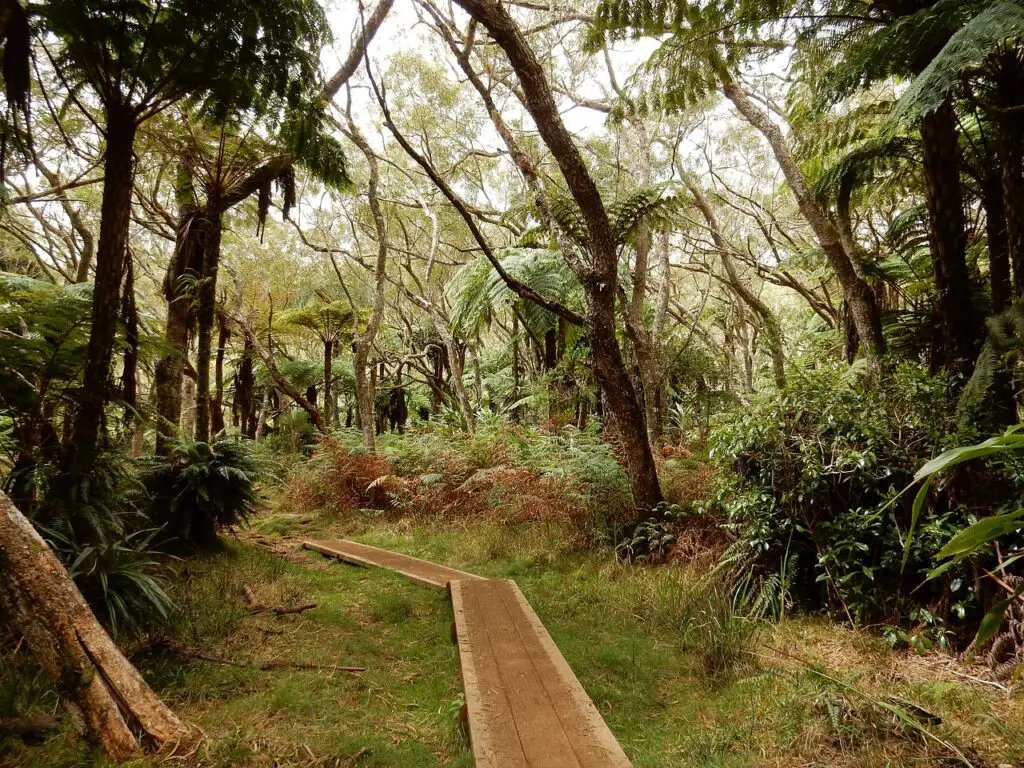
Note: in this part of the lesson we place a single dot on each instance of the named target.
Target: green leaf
(974, 537)
(994, 619)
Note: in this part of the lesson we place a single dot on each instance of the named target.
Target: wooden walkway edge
(421, 571)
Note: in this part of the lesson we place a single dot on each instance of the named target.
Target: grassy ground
(679, 679)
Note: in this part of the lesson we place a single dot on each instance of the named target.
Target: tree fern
(967, 49)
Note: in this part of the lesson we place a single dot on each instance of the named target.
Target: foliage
(813, 485)
(98, 529)
(966, 50)
(977, 538)
(122, 579)
(253, 57)
(202, 488)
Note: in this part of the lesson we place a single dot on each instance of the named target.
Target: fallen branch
(255, 606)
(27, 726)
(273, 664)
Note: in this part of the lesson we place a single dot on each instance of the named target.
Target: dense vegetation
(732, 290)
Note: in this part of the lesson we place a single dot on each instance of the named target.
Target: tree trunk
(620, 400)
(107, 697)
(245, 392)
(217, 401)
(998, 243)
(600, 278)
(455, 366)
(364, 395)
(205, 318)
(858, 295)
(1011, 137)
(169, 372)
(130, 319)
(958, 325)
(261, 418)
(364, 341)
(328, 409)
(188, 408)
(516, 384)
(115, 217)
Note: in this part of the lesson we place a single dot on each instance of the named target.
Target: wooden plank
(420, 571)
(525, 707)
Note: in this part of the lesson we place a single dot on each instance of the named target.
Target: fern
(967, 49)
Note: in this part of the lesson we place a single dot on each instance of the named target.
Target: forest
(700, 322)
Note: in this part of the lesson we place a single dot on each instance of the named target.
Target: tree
(598, 273)
(693, 61)
(139, 59)
(108, 699)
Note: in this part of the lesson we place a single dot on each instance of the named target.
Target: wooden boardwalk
(526, 709)
(524, 706)
(420, 571)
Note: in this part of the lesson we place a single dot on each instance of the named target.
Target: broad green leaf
(972, 538)
(964, 453)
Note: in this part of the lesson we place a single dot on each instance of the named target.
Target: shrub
(95, 525)
(339, 479)
(808, 484)
(200, 489)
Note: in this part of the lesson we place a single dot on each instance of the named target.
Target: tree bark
(856, 291)
(1010, 95)
(245, 392)
(364, 340)
(169, 371)
(328, 409)
(107, 697)
(217, 401)
(115, 217)
(959, 326)
(998, 242)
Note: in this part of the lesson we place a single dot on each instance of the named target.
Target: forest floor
(799, 692)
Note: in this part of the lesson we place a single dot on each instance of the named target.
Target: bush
(505, 472)
(339, 478)
(200, 489)
(95, 525)
(808, 484)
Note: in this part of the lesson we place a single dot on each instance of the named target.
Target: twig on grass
(273, 664)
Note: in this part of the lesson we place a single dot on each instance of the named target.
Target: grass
(680, 681)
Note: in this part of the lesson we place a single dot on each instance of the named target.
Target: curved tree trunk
(849, 271)
(107, 697)
(115, 217)
(599, 278)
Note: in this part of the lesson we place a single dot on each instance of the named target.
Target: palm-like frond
(477, 289)
(967, 49)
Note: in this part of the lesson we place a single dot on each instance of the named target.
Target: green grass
(632, 635)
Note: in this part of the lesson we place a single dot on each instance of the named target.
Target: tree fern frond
(967, 49)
